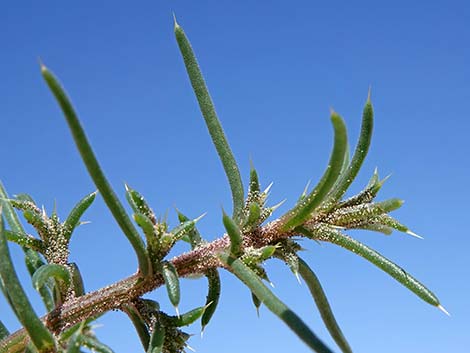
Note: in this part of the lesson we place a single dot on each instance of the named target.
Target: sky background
(274, 69)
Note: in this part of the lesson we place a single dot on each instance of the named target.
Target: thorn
(41, 64)
(257, 311)
(199, 218)
(126, 186)
(268, 188)
(304, 193)
(44, 212)
(174, 21)
(369, 93)
(190, 348)
(441, 308)
(332, 111)
(202, 331)
(275, 207)
(177, 312)
(84, 222)
(414, 234)
(298, 278)
(271, 284)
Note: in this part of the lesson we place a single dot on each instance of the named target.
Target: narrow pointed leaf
(212, 121)
(138, 204)
(254, 181)
(235, 235)
(25, 240)
(254, 215)
(277, 307)
(39, 334)
(149, 231)
(170, 275)
(302, 211)
(194, 236)
(378, 260)
(48, 271)
(157, 339)
(95, 345)
(189, 317)
(96, 172)
(77, 280)
(3, 331)
(77, 212)
(321, 301)
(256, 302)
(213, 295)
(139, 324)
(359, 155)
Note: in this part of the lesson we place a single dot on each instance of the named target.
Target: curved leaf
(277, 307)
(212, 298)
(359, 155)
(77, 212)
(335, 237)
(321, 301)
(302, 211)
(96, 172)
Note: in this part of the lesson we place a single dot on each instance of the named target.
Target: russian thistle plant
(321, 214)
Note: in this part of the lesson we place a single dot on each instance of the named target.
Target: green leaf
(95, 345)
(46, 272)
(303, 210)
(39, 334)
(138, 204)
(189, 317)
(149, 231)
(139, 324)
(25, 240)
(256, 302)
(77, 212)
(321, 301)
(234, 233)
(359, 155)
(3, 331)
(212, 298)
(157, 339)
(194, 236)
(212, 121)
(96, 172)
(335, 237)
(170, 275)
(254, 215)
(77, 280)
(277, 307)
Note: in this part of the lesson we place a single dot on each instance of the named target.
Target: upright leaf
(359, 155)
(212, 121)
(302, 211)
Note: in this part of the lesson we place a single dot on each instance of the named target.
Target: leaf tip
(441, 308)
(413, 234)
(175, 23)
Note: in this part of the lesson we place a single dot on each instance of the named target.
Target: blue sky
(274, 69)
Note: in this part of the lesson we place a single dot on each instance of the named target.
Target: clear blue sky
(274, 69)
